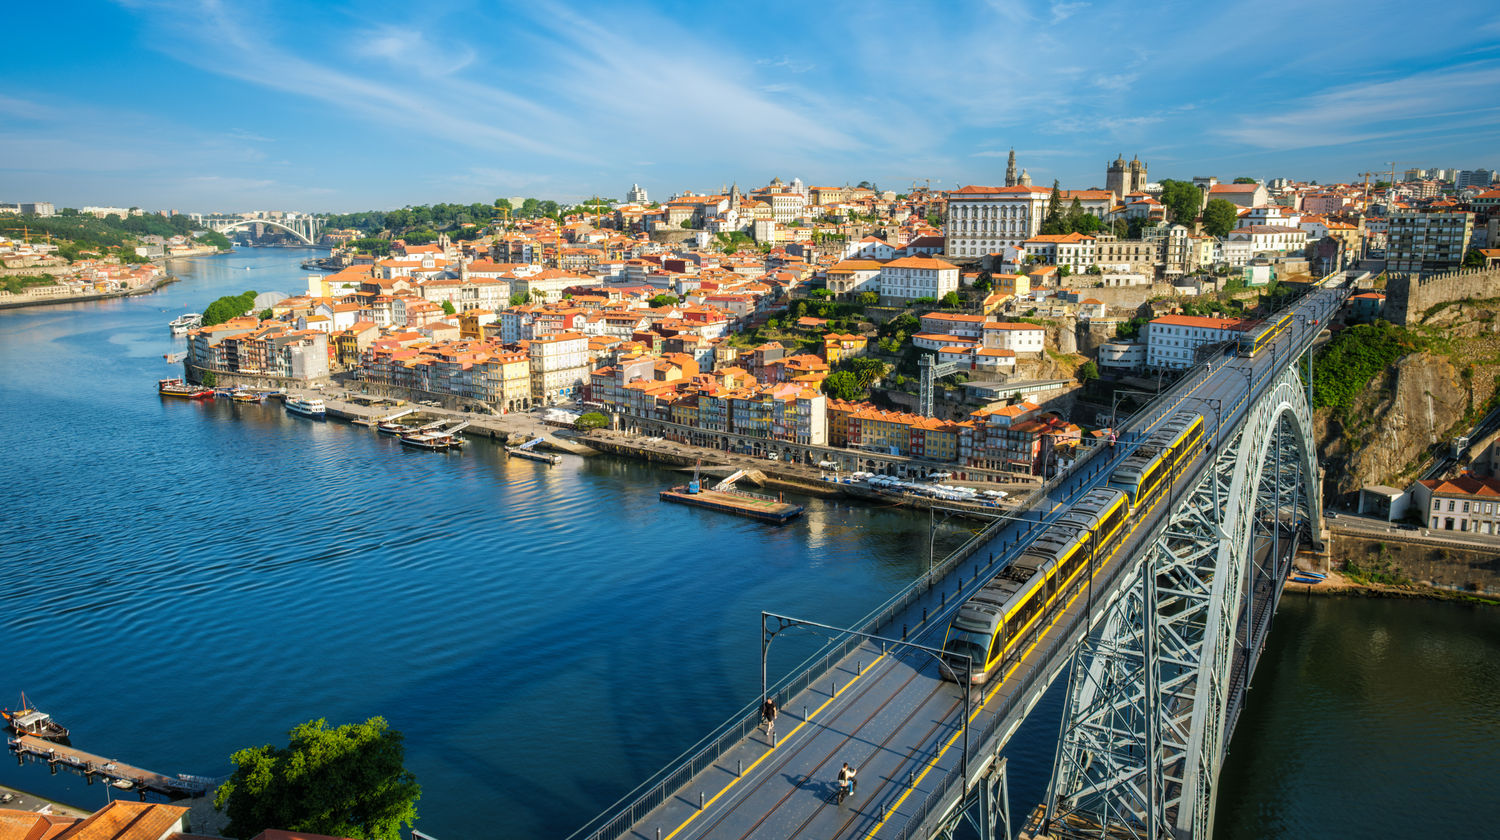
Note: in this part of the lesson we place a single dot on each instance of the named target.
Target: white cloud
(1445, 100)
(1062, 11)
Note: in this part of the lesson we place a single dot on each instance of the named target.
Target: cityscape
(865, 470)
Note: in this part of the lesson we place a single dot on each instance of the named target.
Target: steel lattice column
(1152, 687)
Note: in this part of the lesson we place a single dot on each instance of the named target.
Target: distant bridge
(305, 228)
(1160, 647)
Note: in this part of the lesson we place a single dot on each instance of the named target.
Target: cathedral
(1125, 178)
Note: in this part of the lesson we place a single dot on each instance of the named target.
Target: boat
(437, 442)
(392, 428)
(306, 407)
(29, 721)
(243, 396)
(123, 784)
(182, 390)
(183, 324)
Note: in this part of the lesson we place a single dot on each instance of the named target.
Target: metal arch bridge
(1160, 648)
(305, 228)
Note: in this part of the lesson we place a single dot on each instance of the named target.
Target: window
(1450, 505)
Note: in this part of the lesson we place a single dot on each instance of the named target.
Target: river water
(181, 580)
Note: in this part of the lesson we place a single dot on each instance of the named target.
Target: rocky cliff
(1423, 399)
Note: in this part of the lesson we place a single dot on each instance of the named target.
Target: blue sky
(329, 106)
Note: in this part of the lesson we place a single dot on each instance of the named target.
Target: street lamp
(772, 624)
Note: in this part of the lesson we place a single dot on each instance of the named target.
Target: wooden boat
(392, 428)
(242, 396)
(432, 442)
(29, 721)
(182, 390)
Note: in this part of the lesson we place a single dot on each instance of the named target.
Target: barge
(737, 502)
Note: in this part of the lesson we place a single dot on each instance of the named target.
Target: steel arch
(1154, 690)
(314, 226)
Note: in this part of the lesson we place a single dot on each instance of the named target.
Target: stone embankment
(10, 301)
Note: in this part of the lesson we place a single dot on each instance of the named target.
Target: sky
(327, 106)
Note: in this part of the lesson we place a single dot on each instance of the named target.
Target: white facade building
(983, 220)
(1172, 340)
(910, 278)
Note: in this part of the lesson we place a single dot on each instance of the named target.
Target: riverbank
(1353, 586)
(59, 299)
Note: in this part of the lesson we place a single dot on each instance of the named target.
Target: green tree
(1064, 270)
(867, 299)
(229, 306)
(950, 301)
(1219, 217)
(1053, 223)
(345, 782)
(842, 385)
(208, 380)
(1473, 259)
(663, 300)
(518, 299)
(267, 314)
(985, 281)
(1182, 199)
(1244, 180)
(687, 224)
(449, 308)
(590, 421)
(1088, 372)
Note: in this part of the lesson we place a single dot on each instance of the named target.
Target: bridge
(306, 228)
(1159, 646)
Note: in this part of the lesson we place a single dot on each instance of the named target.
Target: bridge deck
(890, 714)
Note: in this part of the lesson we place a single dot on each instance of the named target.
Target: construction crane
(1366, 176)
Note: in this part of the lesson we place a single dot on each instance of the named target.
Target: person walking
(768, 715)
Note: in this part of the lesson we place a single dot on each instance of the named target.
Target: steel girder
(1152, 688)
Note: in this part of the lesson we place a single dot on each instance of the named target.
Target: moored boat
(29, 721)
(183, 324)
(243, 396)
(306, 407)
(437, 442)
(182, 390)
(392, 428)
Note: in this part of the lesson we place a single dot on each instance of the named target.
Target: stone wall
(230, 379)
(1408, 296)
(1435, 562)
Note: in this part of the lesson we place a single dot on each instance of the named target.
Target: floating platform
(544, 457)
(754, 506)
(123, 776)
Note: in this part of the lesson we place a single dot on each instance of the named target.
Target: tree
(590, 421)
(344, 782)
(950, 301)
(208, 380)
(1244, 180)
(663, 300)
(1473, 259)
(867, 299)
(1053, 222)
(1088, 372)
(984, 281)
(229, 306)
(267, 314)
(1219, 217)
(842, 385)
(518, 299)
(449, 308)
(1064, 270)
(687, 224)
(1182, 199)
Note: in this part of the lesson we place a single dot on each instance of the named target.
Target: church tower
(1137, 174)
(1115, 180)
(1010, 170)
(1024, 180)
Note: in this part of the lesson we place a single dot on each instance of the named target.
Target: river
(185, 579)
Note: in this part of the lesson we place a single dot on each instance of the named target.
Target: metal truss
(1154, 690)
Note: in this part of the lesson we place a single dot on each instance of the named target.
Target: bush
(229, 306)
(591, 420)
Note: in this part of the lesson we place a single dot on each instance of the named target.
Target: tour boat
(306, 407)
(243, 396)
(29, 721)
(182, 324)
(391, 428)
(182, 390)
(434, 442)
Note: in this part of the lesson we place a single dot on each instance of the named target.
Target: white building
(1172, 340)
(983, 220)
(559, 366)
(910, 278)
(1467, 503)
(1016, 337)
(1122, 355)
(1274, 239)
